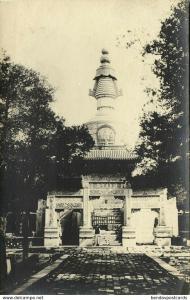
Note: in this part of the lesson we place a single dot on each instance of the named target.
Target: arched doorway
(70, 221)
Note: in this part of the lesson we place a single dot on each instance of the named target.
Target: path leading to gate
(101, 271)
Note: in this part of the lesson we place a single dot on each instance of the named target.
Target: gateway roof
(111, 153)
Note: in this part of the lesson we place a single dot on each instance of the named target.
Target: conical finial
(104, 58)
(104, 51)
(105, 80)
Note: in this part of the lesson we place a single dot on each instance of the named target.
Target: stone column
(51, 230)
(127, 207)
(40, 217)
(128, 231)
(162, 232)
(86, 210)
(86, 232)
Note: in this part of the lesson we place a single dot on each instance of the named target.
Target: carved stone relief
(69, 203)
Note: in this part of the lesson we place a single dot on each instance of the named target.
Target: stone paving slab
(38, 276)
(103, 272)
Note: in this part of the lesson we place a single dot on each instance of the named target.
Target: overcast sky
(62, 39)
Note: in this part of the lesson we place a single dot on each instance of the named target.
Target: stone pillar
(128, 231)
(40, 217)
(86, 232)
(162, 232)
(51, 230)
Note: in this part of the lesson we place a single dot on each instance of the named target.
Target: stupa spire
(105, 79)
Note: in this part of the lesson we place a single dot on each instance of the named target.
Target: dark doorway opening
(70, 227)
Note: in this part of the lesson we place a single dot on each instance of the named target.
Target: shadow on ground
(102, 272)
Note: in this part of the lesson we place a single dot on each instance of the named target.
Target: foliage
(163, 143)
(27, 123)
(69, 146)
(34, 142)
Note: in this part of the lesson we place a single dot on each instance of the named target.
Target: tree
(69, 146)
(33, 142)
(163, 142)
(26, 126)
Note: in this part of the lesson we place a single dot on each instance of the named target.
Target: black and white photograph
(94, 148)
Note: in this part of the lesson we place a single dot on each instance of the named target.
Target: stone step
(108, 238)
(109, 232)
(109, 243)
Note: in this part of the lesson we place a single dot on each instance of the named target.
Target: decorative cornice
(111, 154)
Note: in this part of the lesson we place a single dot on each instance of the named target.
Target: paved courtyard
(102, 271)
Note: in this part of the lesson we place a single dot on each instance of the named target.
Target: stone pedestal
(40, 217)
(163, 235)
(51, 237)
(86, 236)
(128, 236)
